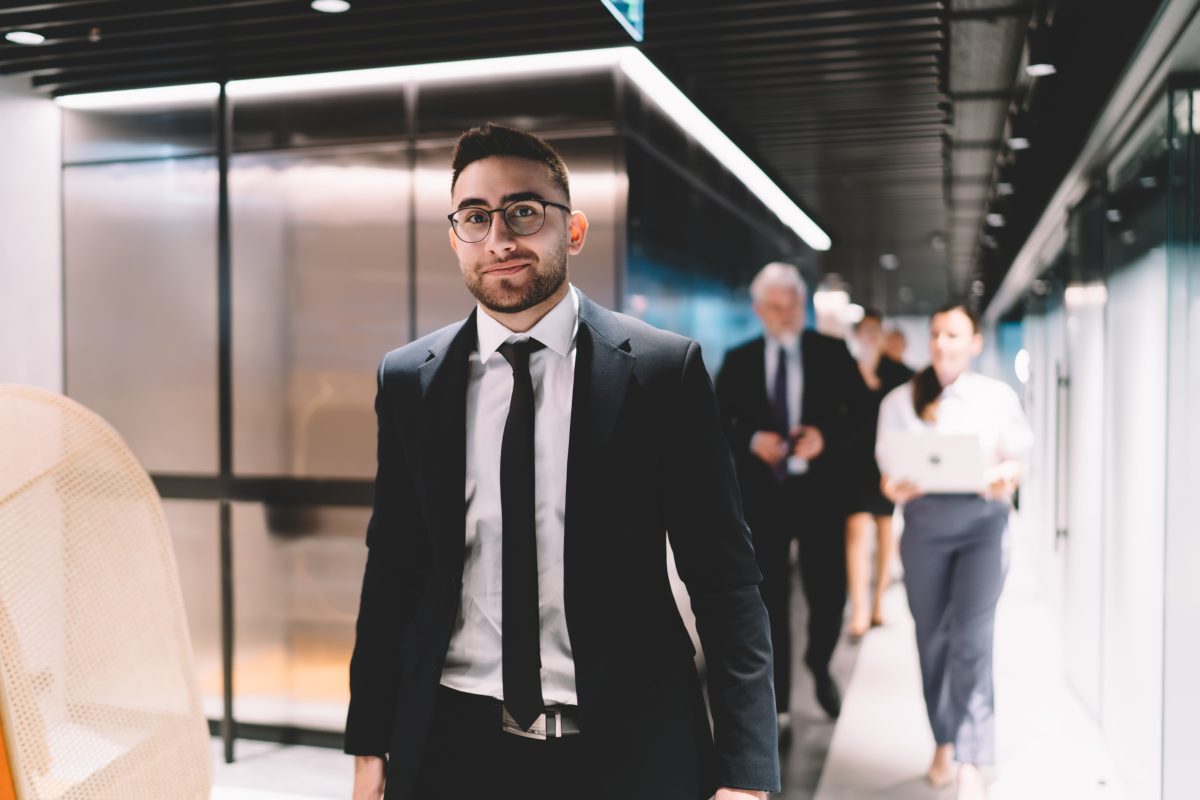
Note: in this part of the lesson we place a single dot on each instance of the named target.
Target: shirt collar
(556, 329)
(961, 384)
(791, 344)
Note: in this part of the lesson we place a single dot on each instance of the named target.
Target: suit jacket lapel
(443, 442)
(603, 369)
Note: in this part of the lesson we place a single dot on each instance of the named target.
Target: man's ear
(453, 239)
(577, 228)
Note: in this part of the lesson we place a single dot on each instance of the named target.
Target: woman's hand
(1002, 480)
(899, 492)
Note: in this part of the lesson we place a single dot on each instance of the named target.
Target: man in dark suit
(786, 402)
(517, 635)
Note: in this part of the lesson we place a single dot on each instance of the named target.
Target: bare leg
(941, 769)
(971, 785)
(858, 574)
(884, 544)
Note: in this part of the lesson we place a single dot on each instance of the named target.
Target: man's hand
(899, 491)
(810, 443)
(770, 447)
(739, 794)
(368, 777)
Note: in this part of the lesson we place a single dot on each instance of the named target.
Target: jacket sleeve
(716, 561)
(847, 429)
(397, 554)
(729, 392)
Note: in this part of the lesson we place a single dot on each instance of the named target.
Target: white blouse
(975, 405)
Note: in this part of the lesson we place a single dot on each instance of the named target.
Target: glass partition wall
(1113, 328)
(238, 260)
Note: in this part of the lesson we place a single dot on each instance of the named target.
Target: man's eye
(475, 218)
(521, 211)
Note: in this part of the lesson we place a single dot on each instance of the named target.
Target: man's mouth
(507, 269)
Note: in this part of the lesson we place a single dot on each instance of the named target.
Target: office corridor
(1048, 747)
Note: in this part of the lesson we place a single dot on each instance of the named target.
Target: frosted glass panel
(297, 576)
(1083, 550)
(141, 305)
(320, 293)
(1134, 520)
(195, 535)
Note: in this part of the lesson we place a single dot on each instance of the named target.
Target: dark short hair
(956, 305)
(498, 140)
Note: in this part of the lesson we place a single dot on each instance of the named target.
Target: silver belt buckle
(538, 730)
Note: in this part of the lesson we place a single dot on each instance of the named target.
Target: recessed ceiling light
(330, 6)
(1004, 188)
(1040, 70)
(1018, 143)
(996, 220)
(1113, 215)
(24, 37)
(889, 261)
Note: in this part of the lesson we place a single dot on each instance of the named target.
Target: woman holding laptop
(956, 502)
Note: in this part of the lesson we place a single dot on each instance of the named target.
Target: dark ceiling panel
(843, 102)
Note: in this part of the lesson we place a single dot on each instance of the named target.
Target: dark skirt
(863, 495)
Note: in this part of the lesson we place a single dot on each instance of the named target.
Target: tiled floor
(1047, 746)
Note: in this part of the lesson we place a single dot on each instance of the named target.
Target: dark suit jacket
(831, 396)
(647, 457)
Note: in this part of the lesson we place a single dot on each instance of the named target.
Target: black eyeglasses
(523, 218)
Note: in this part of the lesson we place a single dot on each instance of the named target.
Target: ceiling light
(158, 95)
(989, 241)
(639, 69)
(24, 37)
(330, 6)
(1019, 132)
(1040, 63)
(889, 261)
(1148, 181)
(995, 219)
(1018, 143)
(1005, 188)
(1113, 215)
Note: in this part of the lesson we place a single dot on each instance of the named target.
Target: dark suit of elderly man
(517, 635)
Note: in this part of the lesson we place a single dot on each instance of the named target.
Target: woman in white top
(952, 548)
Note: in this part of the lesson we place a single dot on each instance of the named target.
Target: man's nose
(500, 239)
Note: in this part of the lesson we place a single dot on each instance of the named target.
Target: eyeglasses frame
(504, 216)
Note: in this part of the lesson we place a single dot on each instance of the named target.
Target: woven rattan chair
(97, 695)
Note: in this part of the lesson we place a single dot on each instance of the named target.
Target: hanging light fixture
(1041, 59)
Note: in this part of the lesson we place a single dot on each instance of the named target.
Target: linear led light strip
(636, 67)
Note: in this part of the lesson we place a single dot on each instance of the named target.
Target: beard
(509, 297)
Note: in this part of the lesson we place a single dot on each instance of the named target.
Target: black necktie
(521, 622)
(779, 408)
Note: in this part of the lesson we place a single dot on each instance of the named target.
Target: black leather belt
(555, 723)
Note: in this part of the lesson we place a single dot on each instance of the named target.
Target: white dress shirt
(974, 404)
(474, 660)
(795, 374)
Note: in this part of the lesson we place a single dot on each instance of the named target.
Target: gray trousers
(954, 556)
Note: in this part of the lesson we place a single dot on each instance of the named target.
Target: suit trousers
(810, 512)
(468, 757)
(954, 556)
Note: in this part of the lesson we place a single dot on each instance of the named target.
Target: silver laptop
(937, 463)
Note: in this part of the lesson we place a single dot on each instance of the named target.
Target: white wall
(30, 237)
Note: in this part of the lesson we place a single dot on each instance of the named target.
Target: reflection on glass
(297, 575)
(164, 128)
(195, 535)
(141, 305)
(320, 293)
